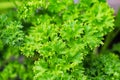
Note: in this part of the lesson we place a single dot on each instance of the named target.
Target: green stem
(109, 39)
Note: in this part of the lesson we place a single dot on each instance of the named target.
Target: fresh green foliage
(14, 66)
(63, 34)
(14, 71)
(55, 37)
(10, 32)
(103, 67)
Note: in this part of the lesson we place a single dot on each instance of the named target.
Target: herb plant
(54, 39)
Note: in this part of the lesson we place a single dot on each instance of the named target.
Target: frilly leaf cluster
(57, 35)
